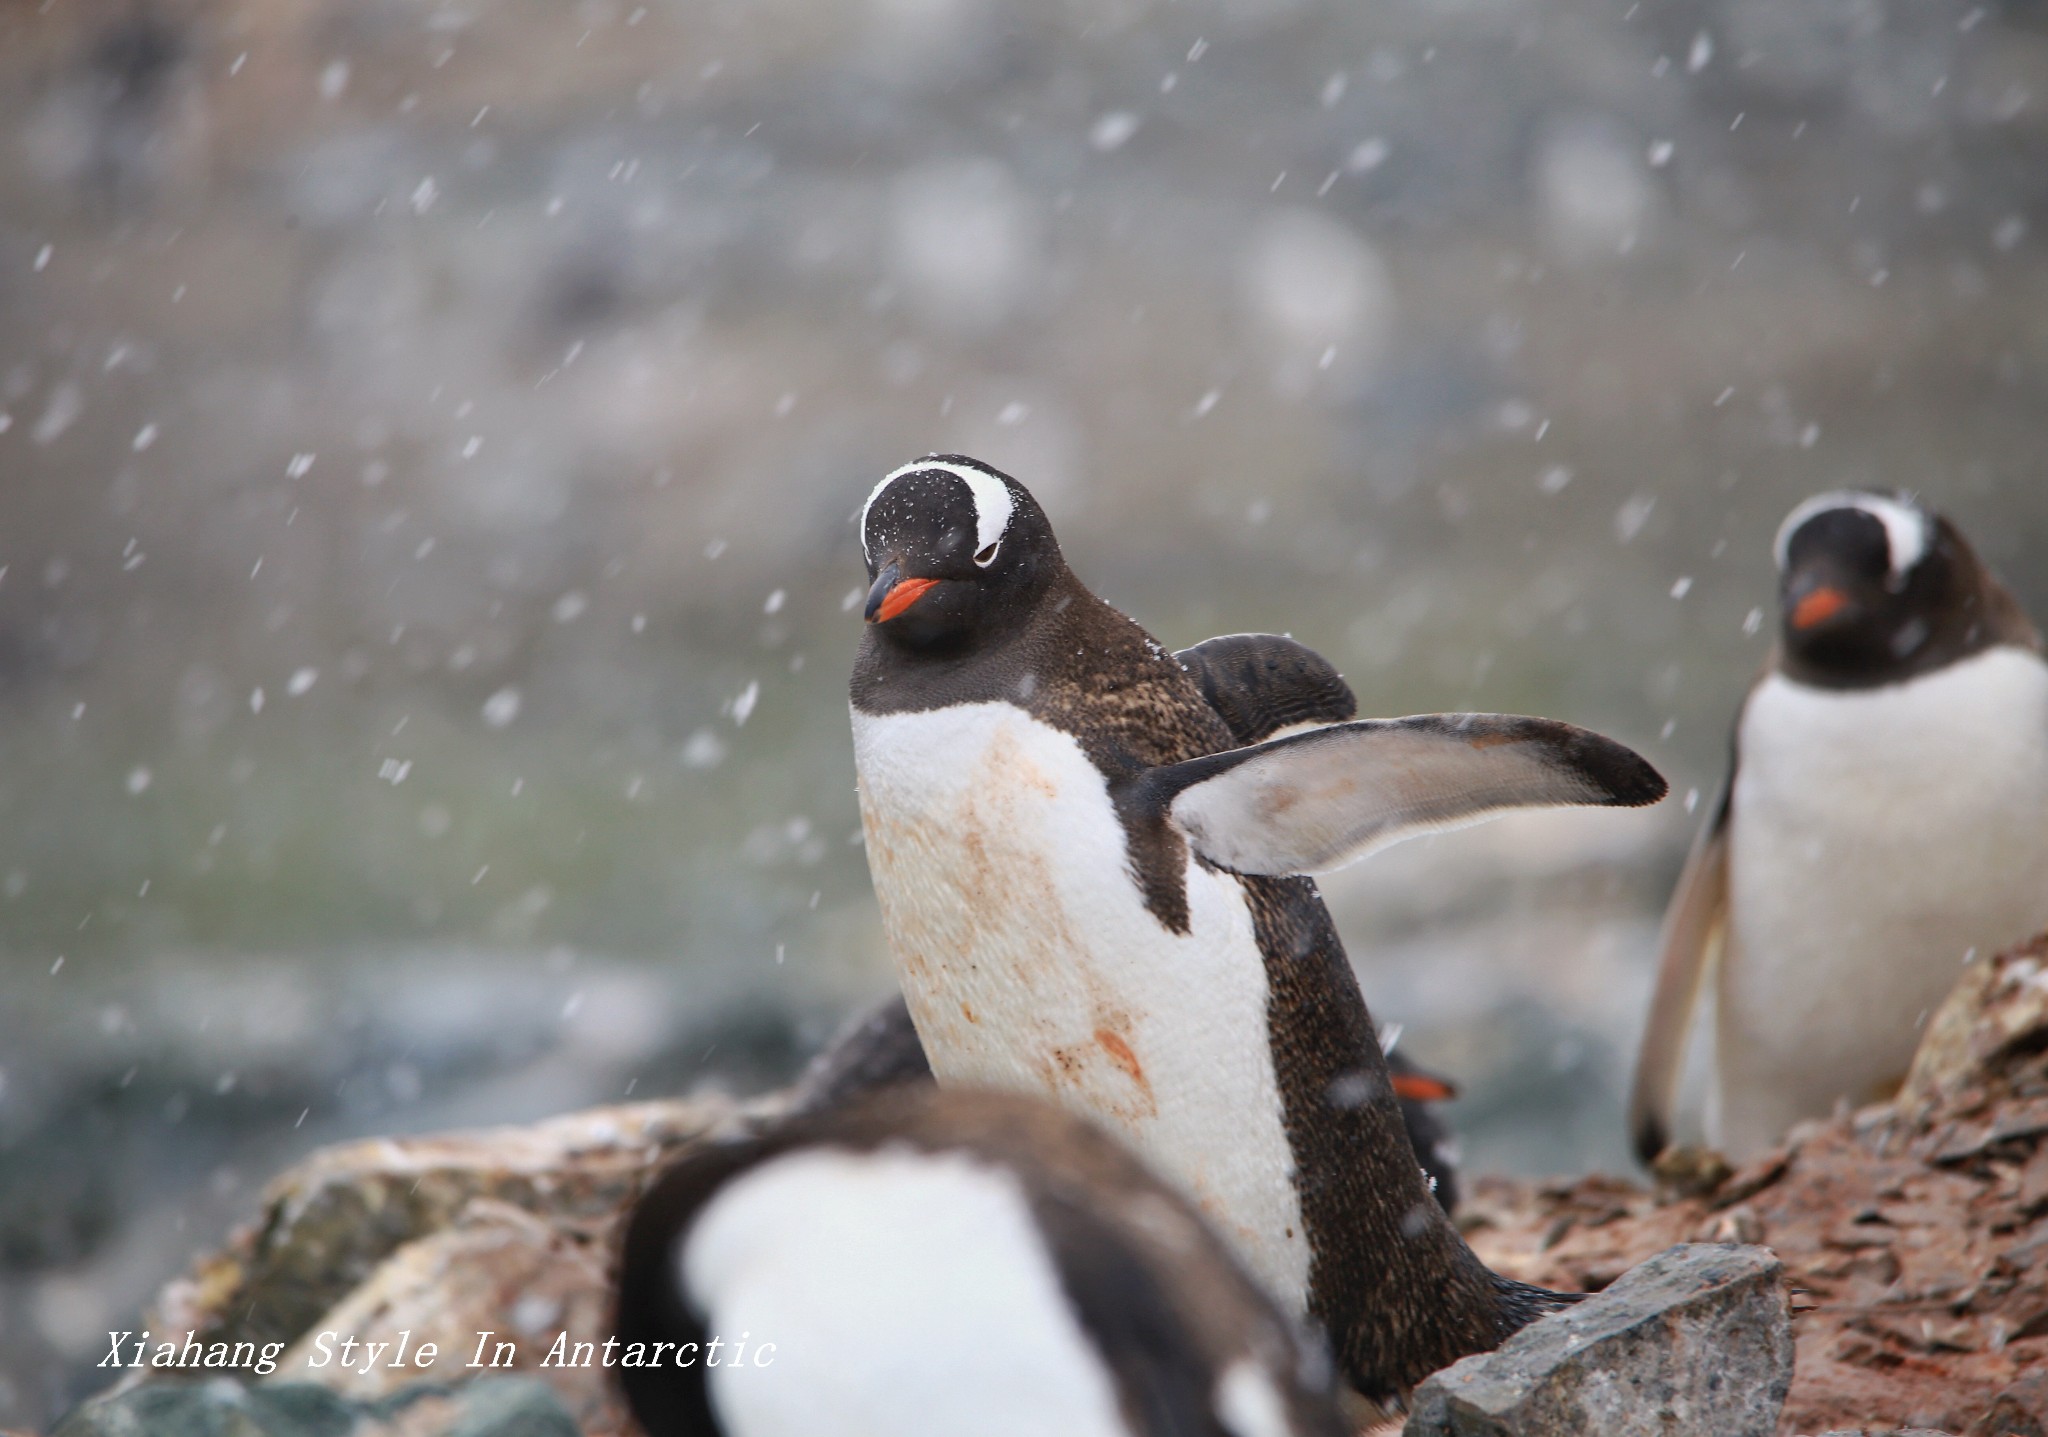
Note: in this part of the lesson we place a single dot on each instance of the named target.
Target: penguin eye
(987, 556)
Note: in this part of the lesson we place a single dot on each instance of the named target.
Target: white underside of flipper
(1031, 963)
(1877, 837)
(1329, 797)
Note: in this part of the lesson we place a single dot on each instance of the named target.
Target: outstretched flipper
(1262, 683)
(1316, 801)
(1694, 927)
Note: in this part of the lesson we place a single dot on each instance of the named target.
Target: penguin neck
(998, 661)
(1069, 659)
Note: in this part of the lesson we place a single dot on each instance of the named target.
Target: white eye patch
(993, 502)
(1908, 532)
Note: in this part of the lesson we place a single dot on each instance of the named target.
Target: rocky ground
(1915, 1234)
(1913, 1238)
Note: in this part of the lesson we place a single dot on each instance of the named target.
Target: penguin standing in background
(1093, 891)
(947, 1262)
(1417, 1089)
(1886, 814)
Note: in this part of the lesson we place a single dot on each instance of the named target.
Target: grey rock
(512, 1407)
(217, 1407)
(1695, 1341)
(329, 1222)
(2021, 1410)
(224, 1407)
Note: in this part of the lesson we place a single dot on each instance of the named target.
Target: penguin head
(955, 551)
(1866, 580)
(919, 1258)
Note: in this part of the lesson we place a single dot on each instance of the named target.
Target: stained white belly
(1877, 837)
(1031, 963)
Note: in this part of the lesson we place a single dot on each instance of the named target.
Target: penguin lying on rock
(948, 1262)
(1092, 884)
(1885, 815)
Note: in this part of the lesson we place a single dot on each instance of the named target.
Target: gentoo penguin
(1259, 684)
(947, 1262)
(1417, 1090)
(1886, 812)
(1093, 892)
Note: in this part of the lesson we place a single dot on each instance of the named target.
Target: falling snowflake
(502, 707)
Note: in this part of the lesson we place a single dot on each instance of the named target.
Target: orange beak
(1818, 607)
(898, 597)
(906, 593)
(1419, 1088)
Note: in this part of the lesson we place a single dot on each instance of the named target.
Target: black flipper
(1262, 683)
(649, 1303)
(1695, 927)
(877, 1050)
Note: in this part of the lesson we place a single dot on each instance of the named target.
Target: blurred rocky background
(430, 429)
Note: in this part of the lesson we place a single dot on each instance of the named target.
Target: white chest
(1876, 837)
(1030, 963)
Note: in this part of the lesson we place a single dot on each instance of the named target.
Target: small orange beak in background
(1420, 1089)
(1818, 607)
(906, 593)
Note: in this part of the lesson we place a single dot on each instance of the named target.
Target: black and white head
(1874, 588)
(956, 551)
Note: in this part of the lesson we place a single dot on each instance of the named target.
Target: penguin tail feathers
(1521, 1303)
